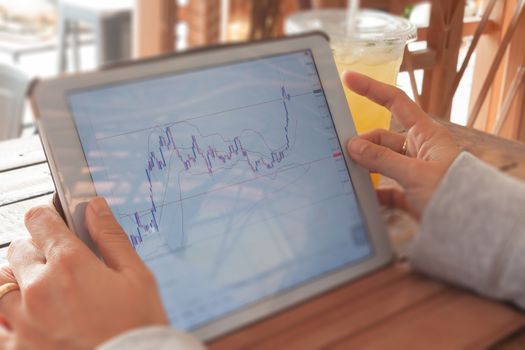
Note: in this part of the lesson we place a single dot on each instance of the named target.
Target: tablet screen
(230, 181)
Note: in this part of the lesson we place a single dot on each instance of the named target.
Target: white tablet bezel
(74, 184)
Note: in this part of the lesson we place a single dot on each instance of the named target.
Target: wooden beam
(498, 61)
(154, 27)
(328, 3)
(483, 24)
(445, 37)
(469, 28)
(392, 6)
(498, 104)
(204, 22)
(514, 65)
(510, 98)
(471, 25)
(487, 48)
(521, 135)
(422, 59)
(264, 17)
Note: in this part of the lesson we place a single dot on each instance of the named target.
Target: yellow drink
(366, 114)
(380, 64)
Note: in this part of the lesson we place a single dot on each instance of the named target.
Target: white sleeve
(473, 231)
(155, 337)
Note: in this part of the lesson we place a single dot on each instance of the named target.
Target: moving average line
(147, 223)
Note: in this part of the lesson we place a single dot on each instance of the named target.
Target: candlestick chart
(168, 153)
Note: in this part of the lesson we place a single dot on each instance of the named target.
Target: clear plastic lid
(371, 28)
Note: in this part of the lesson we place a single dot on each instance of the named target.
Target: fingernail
(100, 206)
(36, 212)
(356, 145)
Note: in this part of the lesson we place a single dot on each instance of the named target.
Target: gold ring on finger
(7, 288)
(404, 149)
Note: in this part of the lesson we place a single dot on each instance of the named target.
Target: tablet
(227, 169)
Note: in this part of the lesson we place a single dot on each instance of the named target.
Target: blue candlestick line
(147, 221)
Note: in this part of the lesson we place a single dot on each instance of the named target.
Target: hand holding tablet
(226, 171)
(68, 298)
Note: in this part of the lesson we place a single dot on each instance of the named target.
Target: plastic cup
(373, 46)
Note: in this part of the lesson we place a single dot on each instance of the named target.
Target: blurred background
(466, 65)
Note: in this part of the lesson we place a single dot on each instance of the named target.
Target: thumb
(109, 237)
(381, 159)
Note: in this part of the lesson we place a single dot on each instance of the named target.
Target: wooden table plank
(12, 218)
(506, 155)
(23, 183)
(358, 307)
(21, 152)
(452, 320)
(355, 316)
(295, 315)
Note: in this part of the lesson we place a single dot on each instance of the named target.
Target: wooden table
(393, 308)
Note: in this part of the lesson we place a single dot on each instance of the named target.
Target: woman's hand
(68, 298)
(430, 151)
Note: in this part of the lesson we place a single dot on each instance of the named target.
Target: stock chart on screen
(229, 181)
